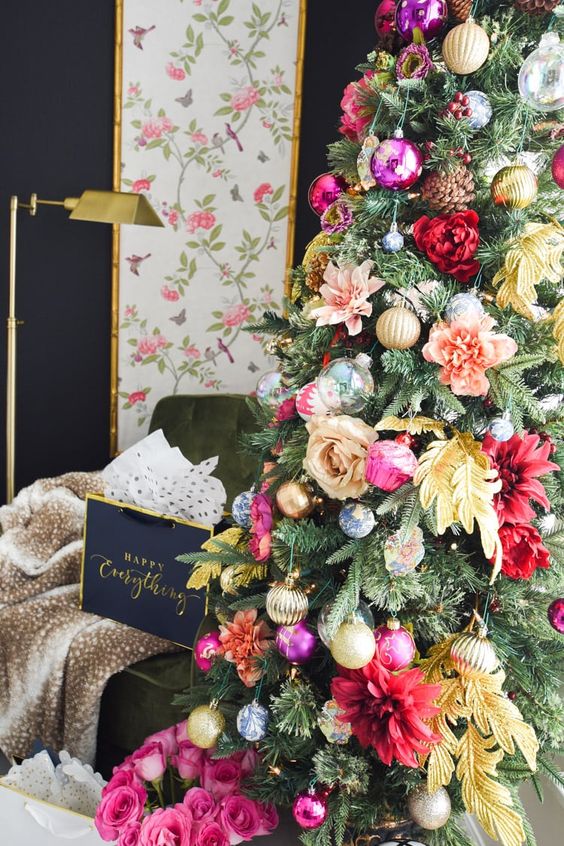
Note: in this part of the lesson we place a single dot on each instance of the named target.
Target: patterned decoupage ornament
(403, 556)
(364, 160)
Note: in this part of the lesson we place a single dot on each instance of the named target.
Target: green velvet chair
(138, 701)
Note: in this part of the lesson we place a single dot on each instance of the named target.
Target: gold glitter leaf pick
(558, 330)
(413, 425)
(533, 256)
(205, 571)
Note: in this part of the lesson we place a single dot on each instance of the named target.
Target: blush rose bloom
(155, 127)
(188, 761)
(201, 804)
(336, 454)
(149, 761)
(167, 739)
(150, 344)
(465, 349)
(239, 818)
(346, 291)
(167, 827)
(130, 835)
(117, 809)
(245, 98)
(236, 314)
(221, 777)
(209, 833)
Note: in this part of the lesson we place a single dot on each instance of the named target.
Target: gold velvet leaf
(457, 476)
(534, 256)
(413, 425)
(558, 330)
(247, 573)
(205, 571)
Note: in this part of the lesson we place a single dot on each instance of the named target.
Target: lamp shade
(113, 207)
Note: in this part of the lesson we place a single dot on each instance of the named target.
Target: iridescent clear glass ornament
(271, 391)
(541, 78)
(345, 383)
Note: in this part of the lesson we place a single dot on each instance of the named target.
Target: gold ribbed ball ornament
(514, 186)
(466, 47)
(295, 500)
(286, 603)
(354, 645)
(472, 654)
(226, 579)
(398, 328)
(428, 810)
(205, 726)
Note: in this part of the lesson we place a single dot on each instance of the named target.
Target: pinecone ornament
(316, 260)
(460, 9)
(536, 7)
(449, 191)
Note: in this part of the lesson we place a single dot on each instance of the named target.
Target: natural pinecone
(460, 9)
(536, 7)
(449, 192)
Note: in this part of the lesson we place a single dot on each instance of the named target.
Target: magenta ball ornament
(310, 809)
(397, 164)
(429, 16)
(324, 190)
(296, 643)
(558, 167)
(206, 650)
(556, 615)
(385, 18)
(395, 647)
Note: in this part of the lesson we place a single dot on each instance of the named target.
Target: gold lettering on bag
(139, 580)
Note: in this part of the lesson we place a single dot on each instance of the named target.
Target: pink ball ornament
(206, 650)
(385, 18)
(310, 809)
(395, 647)
(308, 402)
(296, 643)
(324, 190)
(558, 167)
(429, 16)
(556, 615)
(390, 465)
(397, 163)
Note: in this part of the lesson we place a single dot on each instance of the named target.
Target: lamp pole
(11, 332)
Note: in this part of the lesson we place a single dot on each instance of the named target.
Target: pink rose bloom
(133, 90)
(161, 341)
(137, 396)
(169, 294)
(239, 818)
(209, 833)
(141, 185)
(192, 352)
(174, 72)
(248, 760)
(465, 349)
(346, 291)
(167, 827)
(154, 127)
(217, 172)
(267, 124)
(236, 314)
(221, 777)
(354, 120)
(188, 761)
(199, 220)
(269, 819)
(261, 525)
(125, 778)
(245, 98)
(117, 809)
(167, 738)
(262, 191)
(130, 835)
(286, 410)
(147, 345)
(173, 217)
(199, 138)
(149, 761)
(201, 804)
(130, 311)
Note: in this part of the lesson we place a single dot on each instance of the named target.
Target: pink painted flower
(151, 344)
(167, 739)
(117, 809)
(465, 349)
(170, 294)
(201, 804)
(167, 827)
(236, 314)
(210, 834)
(130, 835)
(133, 90)
(355, 119)
(221, 777)
(244, 98)
(130, 311)
(173, 217)
(141, 185)
(137, 396)
(149, 761)
(200, 220)
(346, 293)
(155, 127)
(199, 137)
(267, 124)
(262, 191)
(217, 173)
(278, 79)
(189, 759)
(175, 72)
(240, 818)
(192, 352)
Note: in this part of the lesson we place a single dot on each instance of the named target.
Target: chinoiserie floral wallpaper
(207, 118)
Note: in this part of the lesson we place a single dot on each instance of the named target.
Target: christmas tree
(389, 600)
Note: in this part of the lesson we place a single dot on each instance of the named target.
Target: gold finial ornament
(398, 328)
(226, 579)
(466, 48)
(514, 186)
(472, 654)
(286, 603)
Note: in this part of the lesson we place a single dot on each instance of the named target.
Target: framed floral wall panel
(207, 119)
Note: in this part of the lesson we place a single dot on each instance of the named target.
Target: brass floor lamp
(100, 206)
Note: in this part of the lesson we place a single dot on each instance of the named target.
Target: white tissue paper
(151, 474)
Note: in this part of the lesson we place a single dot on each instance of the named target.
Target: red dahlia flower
(450, 242)
(388, 710)
(519, 461)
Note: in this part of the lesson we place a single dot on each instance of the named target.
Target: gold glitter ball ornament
(286, 603)
(466, 48)
(204, 726)
(398, 328)
(514, 186)
(354, 645)
(429, 810)
(295, 500)
(473, 654)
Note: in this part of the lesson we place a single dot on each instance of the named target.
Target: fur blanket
(55, 659)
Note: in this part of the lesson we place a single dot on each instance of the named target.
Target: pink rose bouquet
(171, 792)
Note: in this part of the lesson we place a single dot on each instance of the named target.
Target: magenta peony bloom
(346, 291)
(355, 119)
